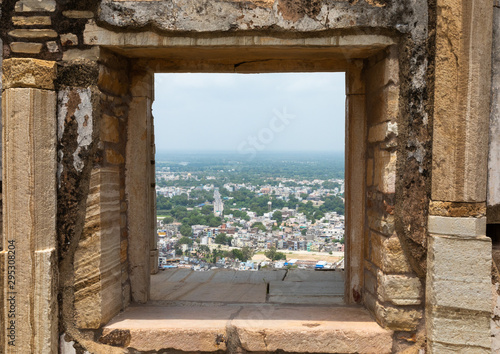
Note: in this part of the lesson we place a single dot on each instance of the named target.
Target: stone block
(77, 54)
(46, 314)
(310, 330)
(115, 82)
(440, 348)
(381, 222)
(459, 273)
(355, 80)
(457, 226)
(34, 33)
(69, 39)
(462, 101)
(459, 329)
(294, 275)
(398, 318)
(385, 170)
(308, 288)
(387, 254)
(114, 157)
(29, 113)
(35, 6)
(142, 84)
(382, 131)
(28, 48)
(110, 129)
(52, 47)
(28, 73)
(457, 209)
(384, 73)
(399, 289)
(31, 21)
(138, 196)
(98, 295)
(78, 14)
(384, 105)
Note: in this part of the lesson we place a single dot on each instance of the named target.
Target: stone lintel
(457, 226)
(95, 35)
(29, 73)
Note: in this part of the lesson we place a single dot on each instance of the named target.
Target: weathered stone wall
(458, 282)
(426, 102)
(393, 292)
(101, 268)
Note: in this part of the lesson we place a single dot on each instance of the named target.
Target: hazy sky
(250, 112)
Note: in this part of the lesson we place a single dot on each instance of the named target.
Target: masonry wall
(393, 292)
(102, 286)
(77, 221)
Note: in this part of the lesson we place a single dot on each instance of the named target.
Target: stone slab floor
(292, 311)
(265, 286)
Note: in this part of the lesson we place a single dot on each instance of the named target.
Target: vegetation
(274, 255)
(223, 239)
(259, 226)
(268, 169)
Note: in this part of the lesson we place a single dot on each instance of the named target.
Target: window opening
(250, 188)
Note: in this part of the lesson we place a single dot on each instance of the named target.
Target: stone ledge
(261, 328)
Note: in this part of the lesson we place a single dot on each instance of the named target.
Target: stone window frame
(347, 54)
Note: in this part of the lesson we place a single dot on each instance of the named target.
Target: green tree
(259, 225)
(214, 221)
(303, 232)
(243, 254)
(206, 210)
(221, 239)
(278, 217)
(185, 230)
(168, 220)
(185, 241)
(247, 253)
(274, 255)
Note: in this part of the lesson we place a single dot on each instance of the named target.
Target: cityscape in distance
(279, 210)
